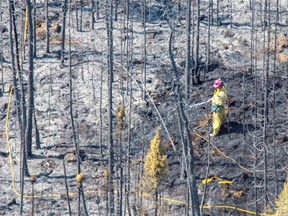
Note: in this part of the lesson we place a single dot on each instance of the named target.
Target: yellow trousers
(219, 118)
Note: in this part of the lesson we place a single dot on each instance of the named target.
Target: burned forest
(106, 107)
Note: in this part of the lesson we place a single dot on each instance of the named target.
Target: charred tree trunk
(187, 144)
(81, 16)
(23, 161)
(144, 74)
(47, 26)
(97, 10)
(196, 74)
(30, 105)
(265, 99)
(76, 144)
(63, 32)
(1, 51)
(100, 114)
(37, 133)
(274, 102)
(116, 9)
(67, 189)
(34, 29)
(92, 14)
(109, 29)
(188, 50)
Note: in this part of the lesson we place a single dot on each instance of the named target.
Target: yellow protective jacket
(219, 97)
(219, 100)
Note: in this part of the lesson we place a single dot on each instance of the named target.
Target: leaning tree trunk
(187, 144)
(23, 160)
(19, 67)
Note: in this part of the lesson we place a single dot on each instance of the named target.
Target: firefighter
(219, 101)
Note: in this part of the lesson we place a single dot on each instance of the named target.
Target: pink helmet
(217, 83)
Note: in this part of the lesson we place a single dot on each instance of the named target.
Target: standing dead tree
(196, 69)
(80, 175)
(23, 160)
(188, 50)
(109, 31)
(185, 135)
(34, 18)
(63, 32)
(47, 26)
(30, 105)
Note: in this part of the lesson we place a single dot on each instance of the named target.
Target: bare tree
(188, 49)
(186, 136)
(47, 26)
(24, 167)
(97, 4)
(81, 16)
(92, 14)
(63, 32)
(274, 100)
(144, 73)
(74, 135)
(1, 51)
(30, 105)
(34, 17)
(109, 30)
(196, 71)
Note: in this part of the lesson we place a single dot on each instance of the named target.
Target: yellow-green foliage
(121, 112)
(283, 57)
(281, 203)
(281, 44)
(80, 177)
(120, 117)
(156, 161)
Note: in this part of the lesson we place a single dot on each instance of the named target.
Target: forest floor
(235, 155)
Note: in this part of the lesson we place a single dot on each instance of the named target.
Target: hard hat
(217, 83)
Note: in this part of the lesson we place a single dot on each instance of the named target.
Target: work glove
(216, 108)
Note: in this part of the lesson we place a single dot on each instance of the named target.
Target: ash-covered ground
(236, 155)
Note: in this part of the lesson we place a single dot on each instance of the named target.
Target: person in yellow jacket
(219, 102)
